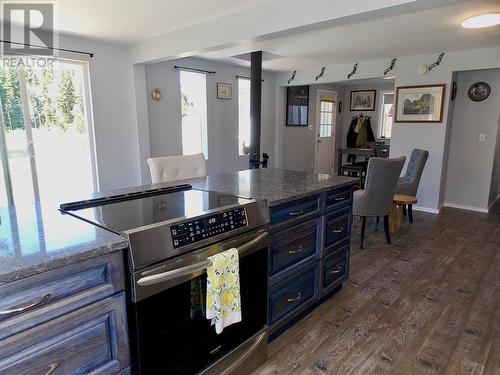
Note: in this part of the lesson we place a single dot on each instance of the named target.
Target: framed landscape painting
(420, 103)
(363, 100)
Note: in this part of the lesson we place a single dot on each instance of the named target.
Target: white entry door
(325, 131)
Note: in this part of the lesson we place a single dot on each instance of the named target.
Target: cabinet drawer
(89, 340)
(300, 209)
(337, 227)
(290, 247)
(338, 198)
(334, 269)
(37, 299)
(292, 293)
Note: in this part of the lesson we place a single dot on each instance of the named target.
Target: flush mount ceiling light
(482, 20)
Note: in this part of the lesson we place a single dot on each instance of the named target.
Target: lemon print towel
(223, 289)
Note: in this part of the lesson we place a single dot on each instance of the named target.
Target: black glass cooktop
(123, 216)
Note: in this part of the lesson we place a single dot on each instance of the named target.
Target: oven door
(172, 333)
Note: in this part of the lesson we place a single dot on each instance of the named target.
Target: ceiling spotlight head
(482, 20)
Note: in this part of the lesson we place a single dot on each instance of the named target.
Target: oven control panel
(207, 227)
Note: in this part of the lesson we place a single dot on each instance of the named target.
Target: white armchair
(179, 167)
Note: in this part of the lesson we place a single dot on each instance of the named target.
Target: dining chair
(408, 183)
(179, 167)
(376, 198)
(382, 150)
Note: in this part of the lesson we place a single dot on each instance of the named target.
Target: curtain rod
(47, 47)
(245, 77)
(193, 69)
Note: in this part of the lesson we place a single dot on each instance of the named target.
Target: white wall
(470, 162)
(406, 137)
(165, 116)
(299, 142)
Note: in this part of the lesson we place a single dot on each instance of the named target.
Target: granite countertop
(276, 185)
(35, 239)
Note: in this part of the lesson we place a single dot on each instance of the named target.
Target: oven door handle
(200, 266)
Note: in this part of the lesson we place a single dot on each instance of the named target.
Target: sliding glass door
(47, 142)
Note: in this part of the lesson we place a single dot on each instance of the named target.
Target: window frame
(204, 131)
(240, 146)
(380, 121)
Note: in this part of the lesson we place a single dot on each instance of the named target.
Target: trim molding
(426, 209)
(465, 207)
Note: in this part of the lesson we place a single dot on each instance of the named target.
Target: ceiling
(131, 21)
(426, 31)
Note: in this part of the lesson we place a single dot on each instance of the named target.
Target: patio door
(46, 144)
(325, 131)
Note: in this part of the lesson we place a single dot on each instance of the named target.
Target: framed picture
(297, 105)
(223, 90)
(420, 103)
(363, 100)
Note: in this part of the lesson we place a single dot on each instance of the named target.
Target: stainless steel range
(171, 232)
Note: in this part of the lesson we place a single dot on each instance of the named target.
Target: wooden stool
(396, 217)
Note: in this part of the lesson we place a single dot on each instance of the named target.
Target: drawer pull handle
(340, 230)
(338, 199)
(295, 213)
(338, 270)
(52, 368)
(299, 249)
(299, 296)
(27, 306)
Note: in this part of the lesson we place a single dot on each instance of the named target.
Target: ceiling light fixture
(482, 20)
(320, 73)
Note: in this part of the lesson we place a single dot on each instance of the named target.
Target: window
(326, 117)
(194, 113)
(243, 115)
(45, 139)
(386, 114)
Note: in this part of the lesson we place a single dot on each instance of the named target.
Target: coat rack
(437, 62)
(292, 77)
(354, 69)
(320, 73)
(391, 66)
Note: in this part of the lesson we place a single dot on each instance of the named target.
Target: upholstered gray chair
(376, 199)
(408, 184)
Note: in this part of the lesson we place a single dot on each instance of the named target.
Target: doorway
(326, 105)
(46, 143)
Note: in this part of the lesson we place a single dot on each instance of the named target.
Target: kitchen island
(310, 234)
(62, 281)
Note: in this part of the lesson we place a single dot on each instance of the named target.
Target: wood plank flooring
(428, 304)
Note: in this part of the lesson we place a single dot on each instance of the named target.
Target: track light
(391, 66)
(320, 73)
(354, 69)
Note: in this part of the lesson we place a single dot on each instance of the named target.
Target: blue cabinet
(291, 249)
(308, 253)
(298, 211)
(293, 294)
(71, 320)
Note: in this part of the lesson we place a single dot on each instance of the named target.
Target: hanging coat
(365, 134)
(351, 134)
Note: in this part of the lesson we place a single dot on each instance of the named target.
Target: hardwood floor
(428, 304)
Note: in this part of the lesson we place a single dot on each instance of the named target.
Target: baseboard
(465, 207)
(426, 209)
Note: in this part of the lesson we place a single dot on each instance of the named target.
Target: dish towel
(223, 289)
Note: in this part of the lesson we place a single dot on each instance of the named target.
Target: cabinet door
(297, 211)
(35, 300)
(293, 247)
(90, 340)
